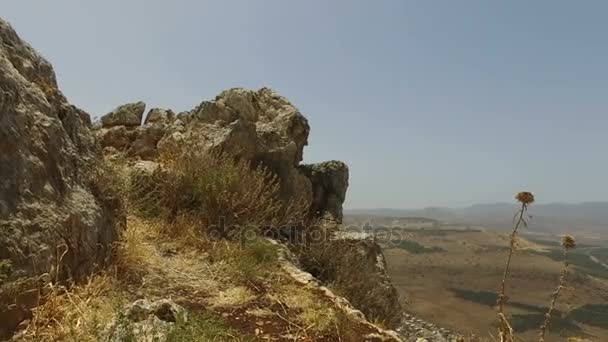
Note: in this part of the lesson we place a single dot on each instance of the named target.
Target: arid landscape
(450, 275)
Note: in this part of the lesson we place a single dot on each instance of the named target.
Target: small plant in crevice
(568, 243)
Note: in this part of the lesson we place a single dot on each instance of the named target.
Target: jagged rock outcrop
(260, 126)
(121, 129)
(54, 219)
(159, 115)
(129, 114)
(329, 185)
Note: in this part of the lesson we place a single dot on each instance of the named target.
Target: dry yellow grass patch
(77, 314)
(233, 297)
(314, 313)
(167, 266)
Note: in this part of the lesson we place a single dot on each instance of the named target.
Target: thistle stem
(501, 297)
(562, 279)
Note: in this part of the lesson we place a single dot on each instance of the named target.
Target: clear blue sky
(429, 102)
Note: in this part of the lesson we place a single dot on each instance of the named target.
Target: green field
(591, 314)
(414, 247)
(580, 260)
(529, 321)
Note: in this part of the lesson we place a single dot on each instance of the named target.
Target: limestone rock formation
(129, 114)
(145, 321)
(329, 184)
(54, 220)
(260, 126)
(159, 115)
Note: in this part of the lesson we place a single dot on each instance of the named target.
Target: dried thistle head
(525, 197)
(568, 242)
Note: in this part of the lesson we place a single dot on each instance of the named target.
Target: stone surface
(145, 321)
(118, 137)
(53, 218)
(260, 126)
(159, 115)
(145, 140)
(329, 185)
(129, 114)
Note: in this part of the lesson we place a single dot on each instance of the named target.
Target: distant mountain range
(588, 217)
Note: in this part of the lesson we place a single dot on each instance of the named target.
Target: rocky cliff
(59, 214)
(54, 221)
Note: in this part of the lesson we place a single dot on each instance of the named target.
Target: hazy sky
(429, 102)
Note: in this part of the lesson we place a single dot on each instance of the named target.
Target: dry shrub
(349, 267)
(77, 314)
(135, 249)
(223, 194)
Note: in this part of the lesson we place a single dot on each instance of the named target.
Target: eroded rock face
(159, 115)
(129, 114)
(260, 126)
(53, 219)
(329, 185)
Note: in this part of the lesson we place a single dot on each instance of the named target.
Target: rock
(329, 184)
(118, 137)
(129, 114)
(159, 115)
(145, 321)
(260, 126)
(54, 218)
(145, 141)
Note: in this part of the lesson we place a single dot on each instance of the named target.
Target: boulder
(260, 126)
(56, 221)
(129, 114)
(118, 137)
(159, 115)
(144, 321)
(145, 140)
(329, 184)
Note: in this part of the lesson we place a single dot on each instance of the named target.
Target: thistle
(525, 198)
(568, 243)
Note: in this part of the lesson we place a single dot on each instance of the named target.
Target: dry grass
(77, 314)
(224, 195)
(170, 249)
(314, 313)
(233, 297)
